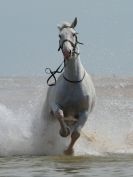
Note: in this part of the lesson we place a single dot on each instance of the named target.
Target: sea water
(30, 144)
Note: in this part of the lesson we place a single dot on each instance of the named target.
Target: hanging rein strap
(75, 82)
(52, 76)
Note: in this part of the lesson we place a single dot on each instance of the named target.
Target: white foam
(26, 129)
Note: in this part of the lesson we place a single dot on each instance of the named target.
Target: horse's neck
(74, 70)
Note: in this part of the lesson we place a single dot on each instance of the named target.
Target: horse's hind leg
(58, 113)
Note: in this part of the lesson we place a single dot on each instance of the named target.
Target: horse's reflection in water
(72, 97)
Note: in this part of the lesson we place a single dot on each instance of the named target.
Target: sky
(29, 35)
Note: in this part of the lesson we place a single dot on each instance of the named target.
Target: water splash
(26, 129)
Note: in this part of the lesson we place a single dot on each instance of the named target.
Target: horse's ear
(59, 27)
(74, 23)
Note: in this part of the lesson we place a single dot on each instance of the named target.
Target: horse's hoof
(65, 133)
(69, 151)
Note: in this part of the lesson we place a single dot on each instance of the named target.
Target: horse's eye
(59, 36)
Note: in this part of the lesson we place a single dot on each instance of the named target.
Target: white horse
(72, 97)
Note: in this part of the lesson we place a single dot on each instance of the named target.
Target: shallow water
(48, 166)
(30, 145)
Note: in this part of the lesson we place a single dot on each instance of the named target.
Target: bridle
(74, 45)
(59, 69)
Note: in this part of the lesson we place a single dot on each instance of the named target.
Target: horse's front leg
(59, 115)
(76, 131)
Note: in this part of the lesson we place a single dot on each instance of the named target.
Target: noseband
(66, 40)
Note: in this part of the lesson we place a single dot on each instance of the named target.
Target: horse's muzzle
(67, 54)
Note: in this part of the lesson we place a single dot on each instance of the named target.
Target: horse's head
(68, 39)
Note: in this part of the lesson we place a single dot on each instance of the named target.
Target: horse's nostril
(67, 53)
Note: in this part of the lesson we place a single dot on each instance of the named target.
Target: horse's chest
(74, 101)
